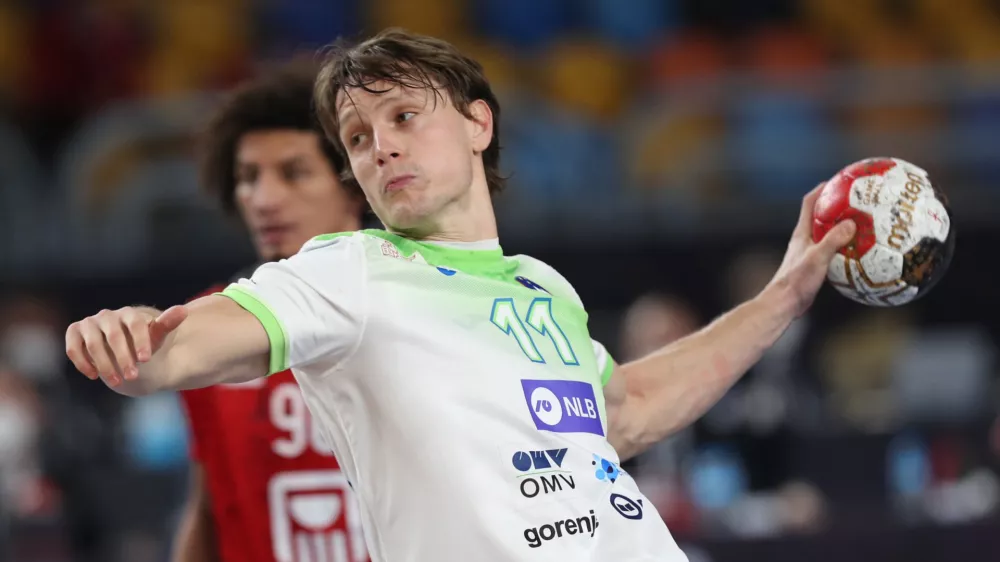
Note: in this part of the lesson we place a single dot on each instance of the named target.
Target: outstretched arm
(651, 398)
(290, 313)
(138, 350)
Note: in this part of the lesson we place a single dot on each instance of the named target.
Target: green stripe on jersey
(275, 331)
(489, 264)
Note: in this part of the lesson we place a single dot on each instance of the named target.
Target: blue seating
(781, 143)
(299, 24)
(976, 128)
(556, 156)
(631, 24)
(523, 24)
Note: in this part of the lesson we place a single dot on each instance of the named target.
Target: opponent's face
(287, 191)
(414, 154)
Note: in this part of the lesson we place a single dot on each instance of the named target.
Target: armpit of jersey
(605, 363)
(312, 305)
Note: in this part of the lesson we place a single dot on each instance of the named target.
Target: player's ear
(480, 125)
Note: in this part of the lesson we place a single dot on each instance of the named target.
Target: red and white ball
(904, 240)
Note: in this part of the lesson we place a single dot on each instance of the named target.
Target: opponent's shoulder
(198, 401)
(546, 277)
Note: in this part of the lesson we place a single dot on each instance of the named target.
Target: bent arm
(653, 397)
(289, 313)
(218, 342)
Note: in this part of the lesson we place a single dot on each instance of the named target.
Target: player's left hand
(804, 267)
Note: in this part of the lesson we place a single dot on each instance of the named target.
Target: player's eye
(356, 139)
(246, 176)
(405, 116)
(293, 173)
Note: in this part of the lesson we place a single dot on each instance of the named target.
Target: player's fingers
(77, 352)
(133, 373)
(838, 237)
(167, 322)
(119, 374)
(117, 343)
(93, 339)
(137, 327)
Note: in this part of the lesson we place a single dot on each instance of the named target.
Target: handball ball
(904, 239)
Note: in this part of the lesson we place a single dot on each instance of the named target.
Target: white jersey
(462, 395)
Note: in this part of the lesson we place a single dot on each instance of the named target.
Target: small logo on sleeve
(563, 406)
(531, 284)
(627, 507)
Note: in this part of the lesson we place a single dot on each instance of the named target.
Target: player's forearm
(671, 388)
(219, 342)
(164, 370)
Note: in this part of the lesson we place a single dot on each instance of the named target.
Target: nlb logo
(563, 406)
(542, 474)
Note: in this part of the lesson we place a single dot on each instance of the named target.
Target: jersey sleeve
(312, 305)
(562, 287)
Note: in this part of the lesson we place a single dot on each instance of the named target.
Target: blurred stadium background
(659, 148)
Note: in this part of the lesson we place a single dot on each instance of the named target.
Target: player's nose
(387, 146)
(269, 194)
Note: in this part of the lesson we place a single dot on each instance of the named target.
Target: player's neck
(469, 219)
(465, 230)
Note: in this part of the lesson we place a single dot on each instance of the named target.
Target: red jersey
(277, 493)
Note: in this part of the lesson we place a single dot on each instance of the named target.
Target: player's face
(416, 157)
(287, 191)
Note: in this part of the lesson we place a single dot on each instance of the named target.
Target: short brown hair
(401, 58)
(280, 99)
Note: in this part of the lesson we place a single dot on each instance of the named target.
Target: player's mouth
(398, 183)
(273, 235)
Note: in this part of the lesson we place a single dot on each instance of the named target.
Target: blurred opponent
(262, 477)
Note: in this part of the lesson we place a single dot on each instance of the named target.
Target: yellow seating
(445, 19)
(196, 42)
(586, 76)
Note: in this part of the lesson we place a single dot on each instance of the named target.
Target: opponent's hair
(397, 57)
(280, 99)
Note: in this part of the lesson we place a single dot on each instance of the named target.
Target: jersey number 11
(541, 320)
